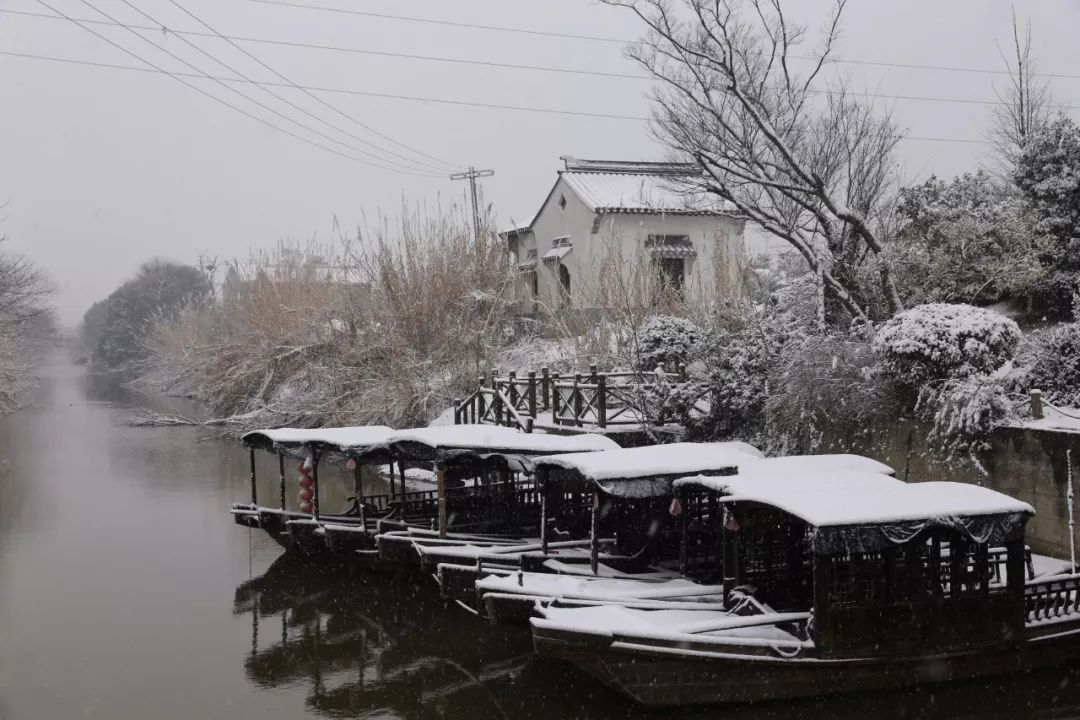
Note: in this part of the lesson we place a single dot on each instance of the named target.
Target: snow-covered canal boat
(601, 514)
(847, 581)
(485, 497)
(508, 595)
(304, 526)
(481, 496)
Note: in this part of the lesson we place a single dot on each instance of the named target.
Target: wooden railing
(1052, 598)
(593, 399)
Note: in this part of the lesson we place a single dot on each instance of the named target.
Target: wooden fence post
(555, 399)
(601, 401)
(1036, 404)
(577, 400)
(545, 388)
(457, 412)
(592, 373)
(532, 393)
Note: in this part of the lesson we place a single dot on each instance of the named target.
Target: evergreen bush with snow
(666, 340)
(940, 341)
(1052, 363)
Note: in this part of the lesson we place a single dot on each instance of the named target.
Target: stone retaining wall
(1028, 464)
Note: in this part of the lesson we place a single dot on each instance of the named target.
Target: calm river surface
(126, 591)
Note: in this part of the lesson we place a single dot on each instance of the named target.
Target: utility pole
(471, 176)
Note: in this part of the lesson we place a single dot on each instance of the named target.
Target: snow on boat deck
(550, 586)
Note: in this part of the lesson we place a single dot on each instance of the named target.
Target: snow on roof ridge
(635, 167)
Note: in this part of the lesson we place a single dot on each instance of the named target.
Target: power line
(519, 66)
(392, 164)
(364, 51)
(448, 101)
(411, 168)
(215, 98)
(316, 98)
(624, 41)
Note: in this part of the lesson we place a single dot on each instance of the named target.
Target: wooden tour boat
(480, 495)
(613, 507)
(625, 492)
(833, 582)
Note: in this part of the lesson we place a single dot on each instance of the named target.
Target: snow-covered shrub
(739, 358)
(940, 341)
(825, 384)
(666, 340)
(1052, 363)
(963, 411)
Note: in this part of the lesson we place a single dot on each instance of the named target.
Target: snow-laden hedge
(940, 341)
(668, 341)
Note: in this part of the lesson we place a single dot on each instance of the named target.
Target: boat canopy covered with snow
(836, 580)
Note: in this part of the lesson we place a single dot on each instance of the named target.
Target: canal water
(126, 591)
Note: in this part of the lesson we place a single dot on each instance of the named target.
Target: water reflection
(123, 596)
(366, 646)
(361, 643)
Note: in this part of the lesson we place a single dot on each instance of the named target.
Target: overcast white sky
(105, 168)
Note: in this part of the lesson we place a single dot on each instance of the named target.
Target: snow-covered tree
(1024, 107)
(940, 341)
(964, 240)
(812, 163)
(1048, 173)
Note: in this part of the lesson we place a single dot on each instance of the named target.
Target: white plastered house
(641, 211)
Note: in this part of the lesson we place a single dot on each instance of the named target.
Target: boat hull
(671, 676)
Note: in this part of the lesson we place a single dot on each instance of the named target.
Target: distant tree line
(114, 329)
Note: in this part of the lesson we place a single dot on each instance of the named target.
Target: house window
(564, 282)
(534, 284)
(562, 202)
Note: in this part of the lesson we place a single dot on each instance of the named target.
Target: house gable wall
(592, 234)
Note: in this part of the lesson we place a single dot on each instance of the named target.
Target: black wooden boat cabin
(845, 582)
(633, 520)
(485, 492)
(363, 445)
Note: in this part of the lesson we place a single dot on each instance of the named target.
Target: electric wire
(450, 165)
(624, 41)
(495, 106)
(413, 165)
(516, 66)
(264, 106)
(155, 68)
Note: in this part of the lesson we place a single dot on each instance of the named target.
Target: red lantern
(676, 507)
(306, 507)
(731, 523)
(305, 481)
(305, 496)
(301, 469)
(350, 464)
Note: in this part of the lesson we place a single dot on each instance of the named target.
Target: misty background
(104, 168)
